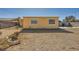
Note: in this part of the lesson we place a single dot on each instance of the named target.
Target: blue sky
(20, 12)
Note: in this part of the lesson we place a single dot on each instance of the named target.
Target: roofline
(39, 16)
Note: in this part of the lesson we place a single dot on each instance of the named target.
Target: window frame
(51, 22)
(34, 21)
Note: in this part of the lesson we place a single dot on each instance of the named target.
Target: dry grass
(48, 40)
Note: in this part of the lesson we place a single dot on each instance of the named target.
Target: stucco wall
(42, 22)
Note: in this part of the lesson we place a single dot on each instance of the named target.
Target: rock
(13, 42)
(13, 39)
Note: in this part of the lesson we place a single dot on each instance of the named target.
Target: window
(51, 21)
(33, 21)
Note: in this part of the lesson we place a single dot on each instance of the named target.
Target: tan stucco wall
(42, 22)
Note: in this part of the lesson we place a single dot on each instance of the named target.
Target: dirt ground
(8, 31)
(48, 40)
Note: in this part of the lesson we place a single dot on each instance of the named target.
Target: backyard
(45, 40)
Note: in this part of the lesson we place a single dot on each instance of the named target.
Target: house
(71, 24)
(50, 22)
(74, 24)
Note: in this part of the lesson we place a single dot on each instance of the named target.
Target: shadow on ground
(45, 31)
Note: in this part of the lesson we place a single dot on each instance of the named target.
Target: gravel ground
(48, 40)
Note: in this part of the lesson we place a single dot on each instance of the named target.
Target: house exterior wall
(42, 22)
(74, 24)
